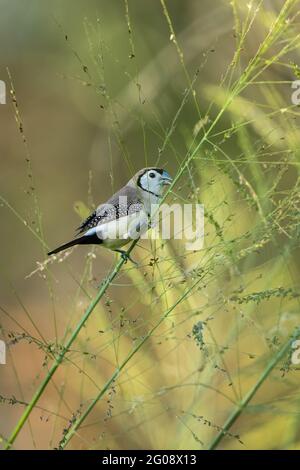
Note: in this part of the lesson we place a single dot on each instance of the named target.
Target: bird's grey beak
(166, 178)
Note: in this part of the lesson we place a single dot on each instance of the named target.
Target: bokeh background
(98, 86)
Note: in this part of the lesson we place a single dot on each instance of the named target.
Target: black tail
(65, 246)
(84, 240)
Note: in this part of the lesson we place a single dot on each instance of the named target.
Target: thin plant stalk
(65, 349)
(244, 402)
(118, 370)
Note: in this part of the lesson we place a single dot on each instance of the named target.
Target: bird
(125, 216)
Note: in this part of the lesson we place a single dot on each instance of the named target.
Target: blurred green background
(89, 124)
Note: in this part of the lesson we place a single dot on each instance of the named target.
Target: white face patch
(152, 181)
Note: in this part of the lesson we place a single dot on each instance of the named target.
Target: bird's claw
(125, 256)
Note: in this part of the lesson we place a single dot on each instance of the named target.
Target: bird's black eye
(152, 175)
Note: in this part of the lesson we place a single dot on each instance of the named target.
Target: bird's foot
(125, 256)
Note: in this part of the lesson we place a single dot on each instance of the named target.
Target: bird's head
(152, 180)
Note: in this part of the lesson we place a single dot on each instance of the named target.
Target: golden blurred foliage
(189, 349)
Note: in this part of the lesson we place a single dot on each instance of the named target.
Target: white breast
(117, 233)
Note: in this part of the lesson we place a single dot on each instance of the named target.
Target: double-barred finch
(125, 216)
